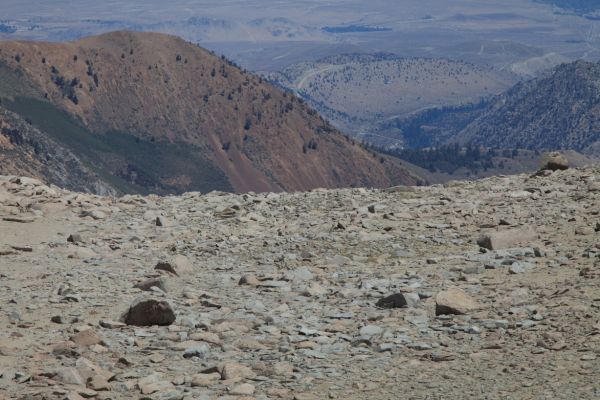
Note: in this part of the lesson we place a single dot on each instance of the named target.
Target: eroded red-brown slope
(159, 86)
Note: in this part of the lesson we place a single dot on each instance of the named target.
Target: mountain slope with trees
(558, 111)
(153, 113)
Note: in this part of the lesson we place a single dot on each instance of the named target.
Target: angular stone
(245, 389)
(75, 238)
(161, 221)
(507, 239)
(370, 330)
(87, 370)
(520, 267)
(148, 284)
(454, 301)
(94, 214)
(231, 371)
(283, 369)
(594, 187)
(112, 324)
(65, 349)
(178, 265)
(86, 338)
(69, 376)
(197, 351)
(207, 337)
(205, 380)
(98, 382)
(249, 280)
(153, 383)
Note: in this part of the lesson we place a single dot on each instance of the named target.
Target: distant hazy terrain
(270, 35)
(558, 110)
(576, 5)
(357, 92)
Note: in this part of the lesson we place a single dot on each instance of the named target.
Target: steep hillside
(357, 91)
(557, 111)
(24, 150)
(155, 113)
(427, 128)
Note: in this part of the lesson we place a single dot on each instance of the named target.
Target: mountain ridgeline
(555, 112)
(146, 112)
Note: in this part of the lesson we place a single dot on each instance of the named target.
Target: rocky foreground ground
(473, 290)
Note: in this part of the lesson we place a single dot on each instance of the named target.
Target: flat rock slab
(507, 239)
(21, 220)
(454, 301)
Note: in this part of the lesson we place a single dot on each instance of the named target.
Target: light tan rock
(178, 265)
(86, 338)
(454, 301)
(507, 238)
(205, 380)
(244, 389)
(231, 371)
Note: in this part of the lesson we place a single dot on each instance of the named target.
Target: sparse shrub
(59, 81)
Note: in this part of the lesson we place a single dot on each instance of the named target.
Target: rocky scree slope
(153, 113)
(485, 289)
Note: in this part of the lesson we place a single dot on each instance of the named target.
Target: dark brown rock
(148, 312)
(555, 162)
(394, 301)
